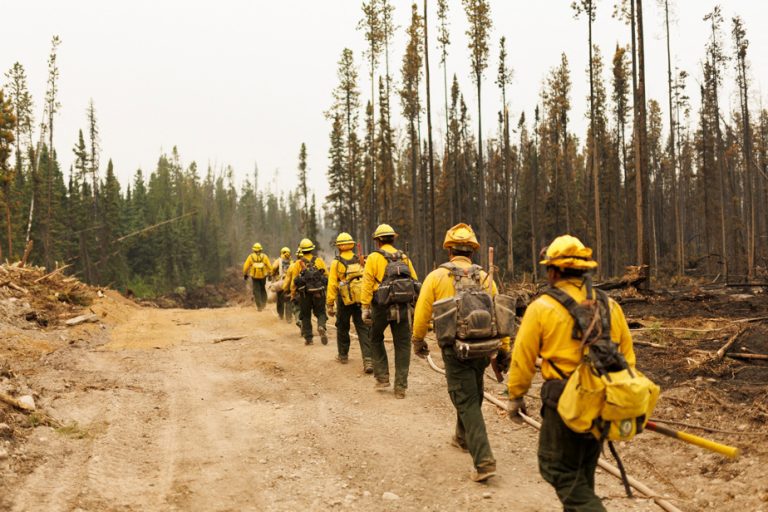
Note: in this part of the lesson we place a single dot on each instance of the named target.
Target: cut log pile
(31, 296)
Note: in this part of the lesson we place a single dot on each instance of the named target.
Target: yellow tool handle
(723, 449)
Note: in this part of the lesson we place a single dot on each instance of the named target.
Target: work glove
(515, 406)
(245, 278)
(367, 316)
(420, 348)
(503, 358)
(330, 309)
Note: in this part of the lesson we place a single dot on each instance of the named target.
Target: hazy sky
(246, 82)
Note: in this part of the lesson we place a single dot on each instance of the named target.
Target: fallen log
(721, 353)
(759, 357)
(82, 319)
(46, 276)
(228, 338)
(8, 399)
(633, 277)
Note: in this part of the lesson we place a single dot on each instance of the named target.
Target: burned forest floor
(140, 408)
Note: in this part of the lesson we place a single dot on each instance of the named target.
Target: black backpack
(311, 279)
(397, 286)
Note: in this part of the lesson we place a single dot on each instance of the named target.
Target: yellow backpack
(350, 288)
(258, 267)
(604, 395)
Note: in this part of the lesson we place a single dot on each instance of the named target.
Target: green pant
(344, 316)
(259, 292)
(311, 303)
(465, 387)
(284, 306)
(567, 461)
(401, 336)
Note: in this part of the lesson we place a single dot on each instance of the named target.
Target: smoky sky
(244, 83)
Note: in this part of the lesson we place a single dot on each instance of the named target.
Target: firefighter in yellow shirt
(387, 296)
(567, 460)
(464, 376)
(344, 286)
(258, 267)
(279, 273)
(309, 279)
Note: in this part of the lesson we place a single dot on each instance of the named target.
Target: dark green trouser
(344, 315)
(465, 387)
(568, 460)
(259, 292)
(401, 335)
(284, 306)
(311, 303)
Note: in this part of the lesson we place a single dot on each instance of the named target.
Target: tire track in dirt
(263, 423)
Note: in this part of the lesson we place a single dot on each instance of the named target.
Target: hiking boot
(460, 444)
(367, 366)
(482, 474)
(400, 393)
(307, 341)
(323, 337)
(342, 359)
(381, 384)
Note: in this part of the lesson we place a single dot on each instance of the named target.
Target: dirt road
(159, 417)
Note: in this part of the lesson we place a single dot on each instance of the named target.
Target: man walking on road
(567, 460)
(463, 375)
(344, 289)
(307, 286)
(388, 293)
(279, 272)
(258, 267)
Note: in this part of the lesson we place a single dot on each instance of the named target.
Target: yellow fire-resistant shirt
(277, 265)
(295, 269)
(250, 270)
(546, 330)
(375, 266)
(439, 285)
(337, 272)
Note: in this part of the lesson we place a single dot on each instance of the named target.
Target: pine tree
(7, 138)
(480, 23)
(304, 189)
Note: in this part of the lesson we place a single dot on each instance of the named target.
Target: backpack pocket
(350, 291)
(444, 320)
(505, 308)
(582, 399)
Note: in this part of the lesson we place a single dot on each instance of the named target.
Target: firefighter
(257, 266)
(464, 376)
(309, 279)
(344, 286)
(279, 272)
(567, 460)
(388, 280)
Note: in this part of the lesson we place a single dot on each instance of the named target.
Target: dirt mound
(230, 291)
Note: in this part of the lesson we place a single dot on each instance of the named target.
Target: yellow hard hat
(285, 250)
(384, 230)
(567, 251)
(256, 247)
(344, 239)
(461, 236)
(306, 245)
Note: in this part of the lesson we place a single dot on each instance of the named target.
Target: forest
(684, 194)
(117, 236)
